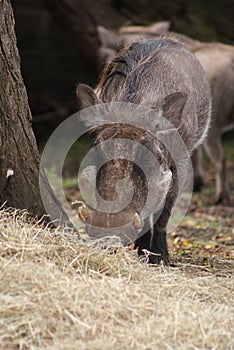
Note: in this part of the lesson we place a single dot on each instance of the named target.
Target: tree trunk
(19, 158)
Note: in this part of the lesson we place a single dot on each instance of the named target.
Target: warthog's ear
(173, 106)
(159, 27)
(86, 96)
(108, 38)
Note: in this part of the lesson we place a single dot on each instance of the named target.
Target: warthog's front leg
(154, 243)
(158, 242)
(143, 243)
(155, 240)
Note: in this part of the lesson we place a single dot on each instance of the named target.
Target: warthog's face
(121, 192)
(133, 179)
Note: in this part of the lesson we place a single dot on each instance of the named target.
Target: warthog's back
(147, 71)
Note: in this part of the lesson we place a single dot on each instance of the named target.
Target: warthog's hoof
(155, 257)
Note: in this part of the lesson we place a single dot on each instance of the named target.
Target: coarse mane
(131, 132)
(125, 131)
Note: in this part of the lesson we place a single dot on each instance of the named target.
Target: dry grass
(58, 293)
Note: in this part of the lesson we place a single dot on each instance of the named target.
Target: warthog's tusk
(82, 210)
(138, 222)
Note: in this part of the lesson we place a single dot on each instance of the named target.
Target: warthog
(217, 61)
(111, 42)
(165, 78)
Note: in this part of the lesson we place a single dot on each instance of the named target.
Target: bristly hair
(118, 130)
(116, 72)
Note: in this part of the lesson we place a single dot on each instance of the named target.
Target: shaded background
(55, 57)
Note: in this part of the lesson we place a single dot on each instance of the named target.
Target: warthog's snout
(126, 225)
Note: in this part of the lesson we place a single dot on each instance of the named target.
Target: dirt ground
(205, 237)
(204, 241)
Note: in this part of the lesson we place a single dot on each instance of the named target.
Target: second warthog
(167, 79)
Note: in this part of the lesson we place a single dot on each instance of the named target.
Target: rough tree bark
(18, 150)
